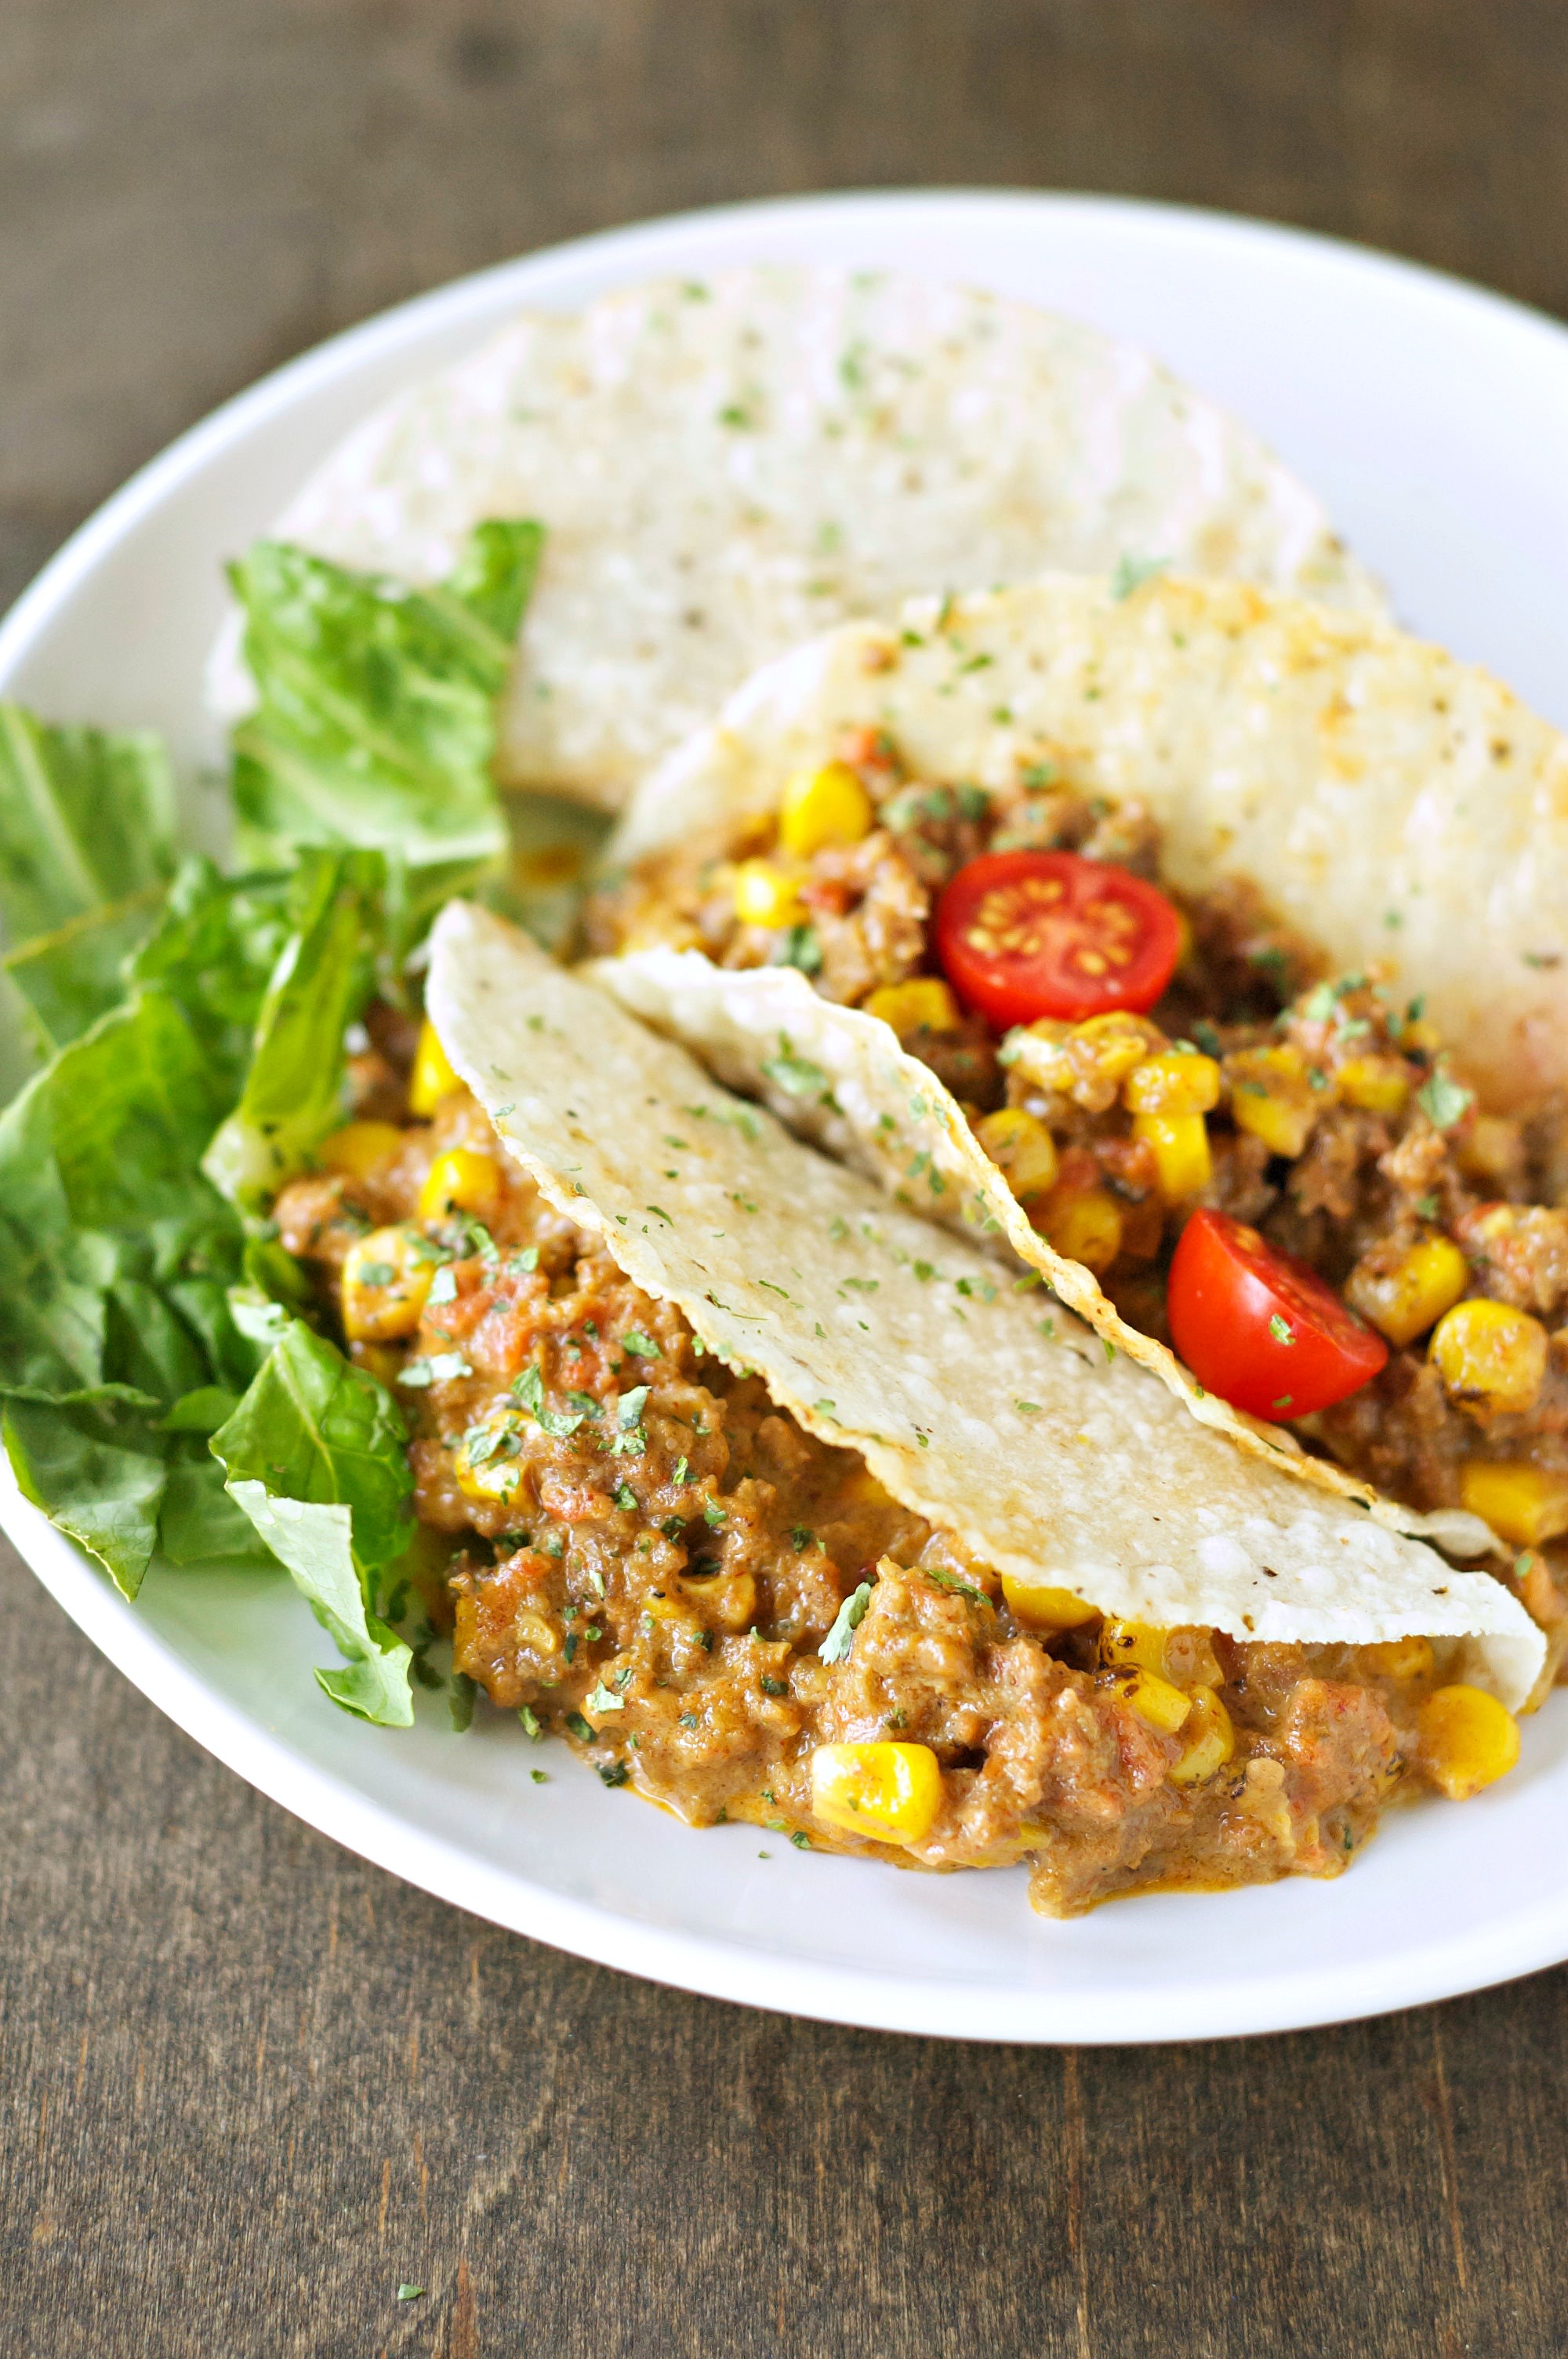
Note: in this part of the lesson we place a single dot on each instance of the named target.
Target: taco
(784, 1507)
(1134, 934)
(725, 468)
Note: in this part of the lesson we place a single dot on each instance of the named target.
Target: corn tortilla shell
(1395, 805)
(727, 468)
(878, 1332)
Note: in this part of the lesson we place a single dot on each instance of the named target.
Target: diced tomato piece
(1025, 934)
(1259, 1328)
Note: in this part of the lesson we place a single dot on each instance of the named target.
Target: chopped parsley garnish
(712, 1513)
(960, 1588)
(529, 1390)
(774, 1687)
(825, 1408)
(443, 1368)
(603, 1700)
(615, 1773)
(625, 1497)
(678, 1476)
(640, 1346)
(629, 1410)
(1443, 1101)
(382, 1273)
(580, 1729)
(523, 1264)
(1285, 1400)
(530, 1720)
(1280, 1330)
(802, 1536)
(799, 948)
(1027, 1409)
(1131, 572)
(835, 1647)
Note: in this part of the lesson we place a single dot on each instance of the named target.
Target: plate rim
(709, 1963)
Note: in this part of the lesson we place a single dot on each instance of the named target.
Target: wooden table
(250, 2085)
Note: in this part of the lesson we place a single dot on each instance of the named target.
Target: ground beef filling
(637, 1550)
(1337, 1129)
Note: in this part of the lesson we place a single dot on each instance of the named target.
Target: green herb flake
(1027, 1409)
(1279, 1330)
(530, 1720)
(835, 1647)
(640, 1346)
(1443, 1101)
(1132, 572)
(410, 2293)
(580, 1729)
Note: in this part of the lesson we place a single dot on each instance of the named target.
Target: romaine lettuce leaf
(86, 818)
(314, 1455)
(69, 978)
(376, 719)
(292, 1092)
(92, 1471)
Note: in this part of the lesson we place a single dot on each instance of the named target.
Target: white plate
(1434, 421)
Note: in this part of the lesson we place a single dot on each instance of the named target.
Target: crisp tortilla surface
(991, 1412)
(1397, 808)
(727, 468)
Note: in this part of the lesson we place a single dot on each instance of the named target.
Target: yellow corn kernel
(484, 1464)
(1021, 1147)
(659, 1606)
(361, 1148)
(1488, 1353)
(1271, 1096)
(822, 806)
(1171, 1086)
(1039, 1606)
(1155, 1700)
(1524, 1505)
(1406, 1296)
(1127, 1646)
(1210, 1741)
(462, 1181)
(432, 1078)
(924, 1004)
(1491, 1148)
(1467, 1740)
(1376, 1084)
(386, 1276)
(1117, 1041)
(729, 1600)
(889, 1792)
(1419, 1038)
(1190, 1658)
(1083, 1223)
(767, 895)
(1179, 1143)
(1399, 1658)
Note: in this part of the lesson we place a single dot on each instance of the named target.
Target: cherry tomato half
(1022, 934)
(1259, 1328)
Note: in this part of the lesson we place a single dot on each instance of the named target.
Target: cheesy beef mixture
(632, 1548)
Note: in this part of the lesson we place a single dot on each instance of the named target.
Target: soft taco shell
(726, 467)
(984, 1408)
(1391, 804)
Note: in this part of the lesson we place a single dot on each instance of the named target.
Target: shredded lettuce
(376, 719)
(315, 1456)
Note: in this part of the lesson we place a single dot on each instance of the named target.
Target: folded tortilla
(986, 1408)
(1352, 773)
(1391, 804)
(726, 468)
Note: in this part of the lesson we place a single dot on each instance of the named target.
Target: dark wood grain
(250, 2085)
